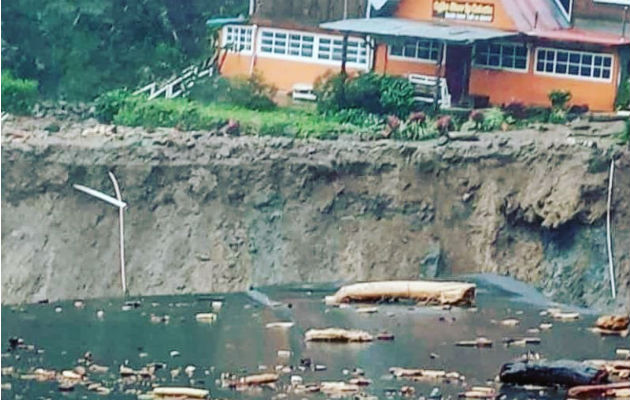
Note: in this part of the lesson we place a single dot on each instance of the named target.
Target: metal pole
(625, 21)
(122, 233)
(608, 238)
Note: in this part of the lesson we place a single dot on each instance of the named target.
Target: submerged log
(429, 292)
(337, 335)
(620, 389)
(549, 373)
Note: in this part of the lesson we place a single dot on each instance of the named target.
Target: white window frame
(314, 56)
(578, 77)
(500, 67)
(240, 32)
(566, 13)
(415, 59)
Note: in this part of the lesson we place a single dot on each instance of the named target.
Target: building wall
(283, 74)
(423, 10)
(591, 9)
(532, 89)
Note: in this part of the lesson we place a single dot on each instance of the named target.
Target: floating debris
(510, 322)
(79, 304)
(367, 310)
(425, 374)
(479, 342)
(296, 380)
(338, 389)
(561, 315)
(284, 353)
(620, 389)
(613, 322)
(100, 314)
(545, 326)
(426, 292)
(337, 335)
(385, 336)
(216, 306)
(180, 392)
(522, 341)
(549, 373)
(279, 325)
(623, 353)
(479, 392)
(206, 317)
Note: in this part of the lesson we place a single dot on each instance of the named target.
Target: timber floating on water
(427, 292)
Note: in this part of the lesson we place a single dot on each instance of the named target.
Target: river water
(239, 342)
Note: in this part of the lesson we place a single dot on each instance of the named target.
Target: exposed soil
(210, 213)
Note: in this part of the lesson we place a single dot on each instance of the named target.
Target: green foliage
(623, 96)
(371, 92)
(597, 163)
(493, 119)
(251, 92)
(189, 115)
(18, 95)
(357, 117)
(558, 116)
(625, 135)
(560, 98)
(78, 49)
(109, 103)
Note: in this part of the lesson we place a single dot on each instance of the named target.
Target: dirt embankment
(214, 213)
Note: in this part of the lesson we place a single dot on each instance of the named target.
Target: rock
(174, 353)
(100, 314)
(510, 322)
(284, 353)
(479, 342)
(443, 140)
(548, 373)
(296, 380)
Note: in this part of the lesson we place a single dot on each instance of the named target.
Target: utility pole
(121, 205)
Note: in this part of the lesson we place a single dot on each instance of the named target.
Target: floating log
(613, 322)
(338, 388)
(337, 335)
(180, 392)
(279, 325)
(479, 392)
(549, 373)
(259, 379)
(479, 342)
(620, 389)
(428, 292)
(206, 317)
(560, 315)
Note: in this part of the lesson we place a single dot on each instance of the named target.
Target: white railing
(177, 85)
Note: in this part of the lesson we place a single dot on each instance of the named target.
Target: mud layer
(211, 213)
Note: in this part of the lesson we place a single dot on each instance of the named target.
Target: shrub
(356, 117)
(558, 116)
(494, 119)
(252, 93)
(444, 124)
(559, 98)
(18, 95)
(371, 92)
(477, 117)
(109, 103)
(623, 96)
(516, 110)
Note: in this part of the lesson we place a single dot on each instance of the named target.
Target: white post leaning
(121, 205)
(608, 237)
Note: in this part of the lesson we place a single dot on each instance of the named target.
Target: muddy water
(238, 341)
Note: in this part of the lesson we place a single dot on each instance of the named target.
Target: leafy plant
(371, 92)
(109, 103)
(560, 98)
(623, 96)
(493, 120)
(558, 116)
(18, 95)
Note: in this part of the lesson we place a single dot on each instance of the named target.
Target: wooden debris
(279, 325)
(620, 389)
(479, 392)
(337, 335)
(44, 374)
(610, 332)
(428, 292)
(613, 322)
(510, 322)
(549, 373)
(385, 336)
(206, 317)
(180, 392)
(479, 342)
(259, 379)
(424, 374)
(338, 389)
(561, 315)
(613, 367)
(360, 381)
(367, 310)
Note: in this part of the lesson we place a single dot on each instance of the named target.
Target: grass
(188, 115)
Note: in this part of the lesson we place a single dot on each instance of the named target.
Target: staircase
(178, 85)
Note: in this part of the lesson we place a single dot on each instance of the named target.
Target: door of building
(458, 60)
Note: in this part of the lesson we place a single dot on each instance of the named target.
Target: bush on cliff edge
(18, 95)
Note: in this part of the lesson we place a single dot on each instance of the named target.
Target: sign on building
(464, 11)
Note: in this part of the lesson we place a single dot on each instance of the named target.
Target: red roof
(581, 36)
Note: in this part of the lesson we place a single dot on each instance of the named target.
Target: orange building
(496, 51)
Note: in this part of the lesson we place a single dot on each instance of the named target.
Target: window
(331, 48)
(501, 55)
(238, 38)
(294, 44)
(574, 63)
(416, 49)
